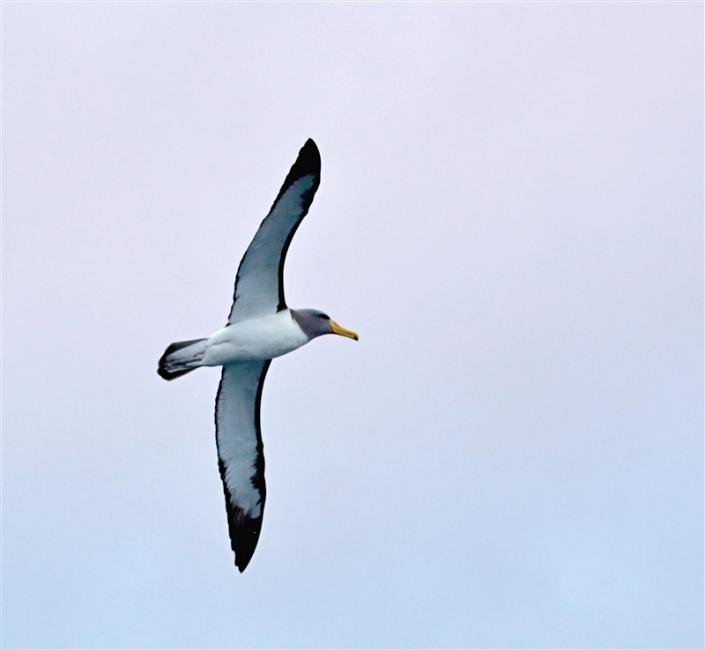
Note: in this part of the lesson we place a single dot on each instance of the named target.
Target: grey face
(312, 321)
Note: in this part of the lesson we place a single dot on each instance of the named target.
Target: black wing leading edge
(240, 454)
(259, 283)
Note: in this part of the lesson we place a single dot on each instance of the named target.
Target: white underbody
(255, 339)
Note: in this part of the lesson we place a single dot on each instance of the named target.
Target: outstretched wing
(240, 455)
(259, 285)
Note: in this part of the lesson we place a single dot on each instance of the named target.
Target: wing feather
(259, 283)
(240, 454)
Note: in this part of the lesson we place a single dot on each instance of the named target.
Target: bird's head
(315, 323)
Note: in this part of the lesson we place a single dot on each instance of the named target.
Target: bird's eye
(324, 316)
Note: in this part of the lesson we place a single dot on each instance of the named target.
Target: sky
(511, 216)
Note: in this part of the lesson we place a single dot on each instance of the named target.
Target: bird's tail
(181, 357)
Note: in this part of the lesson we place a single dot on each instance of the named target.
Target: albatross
(260, 327)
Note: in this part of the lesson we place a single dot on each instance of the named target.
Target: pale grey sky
(510, 214)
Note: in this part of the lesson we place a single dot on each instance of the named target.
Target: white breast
(260, 338)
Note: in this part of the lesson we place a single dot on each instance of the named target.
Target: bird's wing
(259, 284)
(240, 455)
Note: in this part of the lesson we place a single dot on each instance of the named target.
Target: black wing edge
(308, 162)
(243, 530)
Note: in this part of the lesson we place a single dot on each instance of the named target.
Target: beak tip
(342, 331)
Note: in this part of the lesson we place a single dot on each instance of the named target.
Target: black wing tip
(244, 535)
(307, 162)
(310, 145)
(241, 564)
(243, 530)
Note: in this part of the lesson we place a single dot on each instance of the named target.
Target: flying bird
(260, 327)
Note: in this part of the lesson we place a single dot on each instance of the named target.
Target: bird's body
(260, 328)
(255, 339)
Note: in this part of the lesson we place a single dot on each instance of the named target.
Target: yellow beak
(341, 331)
